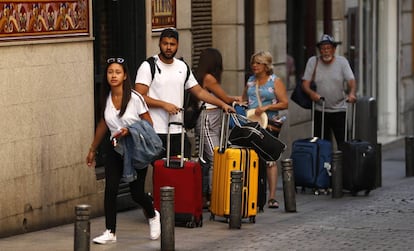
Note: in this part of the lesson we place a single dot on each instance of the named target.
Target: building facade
(51, 78)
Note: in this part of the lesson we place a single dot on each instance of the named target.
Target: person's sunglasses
(115, 60)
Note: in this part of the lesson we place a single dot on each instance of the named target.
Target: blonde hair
(263, 57)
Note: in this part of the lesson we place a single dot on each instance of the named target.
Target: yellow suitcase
(234, 158)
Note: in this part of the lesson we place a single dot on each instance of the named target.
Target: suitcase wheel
(212, 216)
(325, 191)
(252, 219)
(194, 222)
(190, 224)
(355, 193)
(321, 191)
(302, 190)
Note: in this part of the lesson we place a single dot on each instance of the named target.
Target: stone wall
(406, 85)
(46, 106)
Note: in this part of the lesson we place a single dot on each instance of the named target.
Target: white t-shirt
(136, 106)
(208, 105)
(331, 82)
(168, 86)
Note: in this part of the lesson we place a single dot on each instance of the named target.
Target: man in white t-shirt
(164, 93)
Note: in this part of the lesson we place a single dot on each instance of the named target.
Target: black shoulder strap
(153, 65)
(151, 62)
(188, 72)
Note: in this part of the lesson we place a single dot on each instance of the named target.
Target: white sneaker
(106, 238)
(155, 226)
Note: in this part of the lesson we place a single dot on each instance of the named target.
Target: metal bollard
(337, 184)
(378, 175)
(167, 218)
(82, 228)
(409, 156)
(235, 199)
(289, 190)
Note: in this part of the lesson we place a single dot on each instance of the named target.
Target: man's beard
(168, 57)
(327, 58)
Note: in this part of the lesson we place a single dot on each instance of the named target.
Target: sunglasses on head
(115, 60)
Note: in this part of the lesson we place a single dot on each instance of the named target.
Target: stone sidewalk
(383, 220)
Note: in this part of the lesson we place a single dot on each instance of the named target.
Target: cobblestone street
(383, 220)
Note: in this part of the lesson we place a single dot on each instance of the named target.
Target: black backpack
(191, 109)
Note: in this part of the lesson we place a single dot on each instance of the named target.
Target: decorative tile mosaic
(43, 19)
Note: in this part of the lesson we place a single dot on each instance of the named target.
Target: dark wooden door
(301, 32)
(119, 30)
(301, 29)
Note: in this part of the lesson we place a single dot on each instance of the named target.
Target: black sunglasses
(115, 60)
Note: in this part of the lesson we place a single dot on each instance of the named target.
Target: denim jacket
(139, 148)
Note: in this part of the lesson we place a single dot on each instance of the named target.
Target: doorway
(119, 31)
(301, 33)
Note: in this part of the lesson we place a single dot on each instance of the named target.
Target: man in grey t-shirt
(333, 75)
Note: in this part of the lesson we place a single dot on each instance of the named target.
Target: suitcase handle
(224, 134)
(202, 134)
(322, 99)
(352, 120)
(169, 140)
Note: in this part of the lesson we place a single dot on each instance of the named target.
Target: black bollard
(289, 190)
(337, 184)
(235, 199)
(378, 175)
(167, 218)
(409, 156)
(82, 228)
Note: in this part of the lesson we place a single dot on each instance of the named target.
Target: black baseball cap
(170, 33)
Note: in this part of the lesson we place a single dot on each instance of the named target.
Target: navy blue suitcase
(311, 159)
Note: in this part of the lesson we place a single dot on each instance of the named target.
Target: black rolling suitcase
(366, 127)
(359, 162)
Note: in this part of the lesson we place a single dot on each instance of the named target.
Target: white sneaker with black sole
(155, 226)
(106, 238)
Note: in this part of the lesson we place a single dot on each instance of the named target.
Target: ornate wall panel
(163, 14)
(27, 19)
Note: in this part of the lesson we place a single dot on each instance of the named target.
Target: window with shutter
(201, 28)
